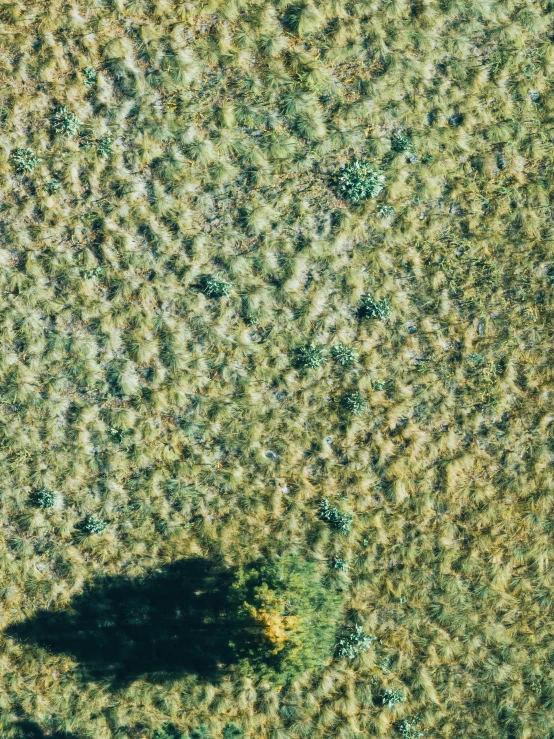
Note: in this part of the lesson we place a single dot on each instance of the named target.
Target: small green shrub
(24, 160)
(65, 122)
(341, 564)
(353, 643)
(335, 517)
(391, 697)
(400, 142)
(213, 288)
(47, 498)
(371, 308)
(360, 181)
(354, 403)
(344, 355)
(52, 187)
(91, 78)
(104, 147)
(409, 729)
(385, 211)
(378, 384)
(93, 524)
(309, 357)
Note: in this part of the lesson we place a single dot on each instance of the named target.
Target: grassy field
(203, 337)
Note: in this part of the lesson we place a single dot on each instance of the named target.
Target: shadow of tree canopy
(30, 730)
(170, 623)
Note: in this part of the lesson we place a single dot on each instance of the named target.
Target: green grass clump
(90, 76)
(409, 729)
(344, 355)
(52, 187)
(400, 142)
(338, 519)
(353, 643)
(359, 181)
(47, 498)
(309, 357)
(24, 160)
(214, 288)
(371, 308)
(392, 696)
(341, 564)
(104, 147)
(93, 524)
(355, 403)
(65, 122)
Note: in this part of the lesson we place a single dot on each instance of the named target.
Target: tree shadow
(170, 623)
(30, 730)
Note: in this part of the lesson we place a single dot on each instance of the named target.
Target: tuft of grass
(91, 78)
(353, 643)
(359, 181)
(24, 160)
(341, 564)
(355, 403)
(214, 288)
(400, 142)
(332, 515)
(93, 524)
(409, 729)
(309, 357)
(392, 696)
(344, 355)
(371, 308)
(47, 498)
(65, 122)
(104, 147)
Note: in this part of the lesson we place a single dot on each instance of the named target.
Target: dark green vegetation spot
(353, 643)
(385, 211)
(392, 696)
(52, 187)
(90, 76)
(332, 515)
(47, 498)
(360, 180)
(93, 524)
(341, 564)
(104, 147)
(344, 355)
(214, 288)
(355, 403)
(309, 357)
(456, 119)
(24, 160)
(400, 142)
(65, 122)
(409, 729)
(371, 308)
